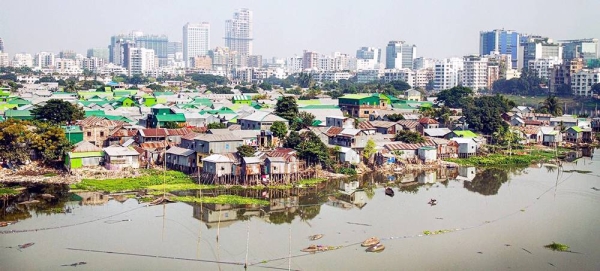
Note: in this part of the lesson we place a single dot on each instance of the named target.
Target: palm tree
(71, 86)
(551, 106)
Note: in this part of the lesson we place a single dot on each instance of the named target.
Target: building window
(101, 133)
(89, 133)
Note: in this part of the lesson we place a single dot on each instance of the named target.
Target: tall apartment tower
(1, 45)
(196, 41)
(500, 41)
(400, 55)
(238, 32)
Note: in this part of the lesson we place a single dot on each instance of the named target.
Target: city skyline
(282, 30)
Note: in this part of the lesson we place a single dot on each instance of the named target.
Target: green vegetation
(8, 191)
(18, 139)
(311, 181)
(436, 232)
(409, 137)
(557, 247)
(149, 178)
(246, 151)
(216, 125)
(180, 187)
(287, 108)
(222, 199)
(58, 112)
(494, 160)
(279, 129)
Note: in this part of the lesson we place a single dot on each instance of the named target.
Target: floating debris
(389, 191)
(315, 237)
(74, 264)
(29, 202)
(595, 189)
(6, 223)
(527, 251)
(370, 242)
(436, 232)
(557, 247)
(319, 248)
(360, 224)
(376, 248)
(24, 246)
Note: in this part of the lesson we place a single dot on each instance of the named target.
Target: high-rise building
(583, 48)
(536, 47)
(310, 60)
(500, 41)
(140, 60)
(475, 72)
(22, 60)
(368, 58)
(44, 60)
(92, 63)
(158, 43)
(583, 80)
(542, 67)
(238, 32)
(67, 54)
(400, 55)
(196, 41)
(101, 53)
(560, 76)
(1, 45)
(255, 61)
(447, 73)
(4, 60)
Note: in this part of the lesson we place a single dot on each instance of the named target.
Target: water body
(494, 219)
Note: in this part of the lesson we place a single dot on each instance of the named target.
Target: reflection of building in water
(349, 187)
(92, 198)
(213, 214)
(409, 177)
(466, 173)
(350, 195)
(427, 177)
(284, 203)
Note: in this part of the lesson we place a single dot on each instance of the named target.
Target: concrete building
(423, 63)
(400, 55)
(367, 76)
(582, 48)
(423, 77)
(310, 60)
(196, 41)
(542, 67)
(140, 61)
(22, 60)
(239, 33)
(202, 63)
(1, 45)
(368, 58)
(158, 43)
(561, 74)
(101, 53)
(44, 60)
(475, 73)
(500, 41)
(583, 80)
(92, 63)
(255, 61)
(4, 60)
(294, 64)
(406, 75)
(535, 47)
(447, 73)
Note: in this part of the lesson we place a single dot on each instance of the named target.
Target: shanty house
(83, 154)
(181, 159)
(117, 158)
(207, 143)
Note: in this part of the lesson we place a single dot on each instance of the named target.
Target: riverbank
(519, 159)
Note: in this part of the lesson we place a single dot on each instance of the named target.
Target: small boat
(26, 245)
(315, 237)
(6, 223)
(370, 242)
(29, 202)
(376, 248)
(389, 191)
(314, 248)
(432, 202)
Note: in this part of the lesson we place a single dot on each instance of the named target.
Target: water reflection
(284, 204)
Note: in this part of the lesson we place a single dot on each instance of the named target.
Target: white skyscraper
(400, 55)
(447, 73)
(196, 41)
(238, 32)
(44, 59)
(140, 61)
(475, 73)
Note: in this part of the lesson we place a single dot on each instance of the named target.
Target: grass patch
(8, 191)
(494, 160)
(557, 247)
(148, 179)
(222, 199)
(311, 181)
(181, 187)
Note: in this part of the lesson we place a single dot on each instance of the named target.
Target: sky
(439, 28)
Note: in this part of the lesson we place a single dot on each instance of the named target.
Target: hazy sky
(439, 28)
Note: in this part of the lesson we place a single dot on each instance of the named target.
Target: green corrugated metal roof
(309, 102)
(17, 113)
(163, 93)
(89, 113)
(171, 117)
(85, 154)
(465, 134)
(72, 129)
(321, 106)
(577, 129)
(121, 118)
(355, 96)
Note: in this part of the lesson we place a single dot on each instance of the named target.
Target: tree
(216, 125)
(58, 112)
(246, 151)
(305, 80)
(156, 87)
(49, 142)
(287, 108)
(484, 113)
(369, 150)
(266, 86)
(409, 137)
(312, 149)
(551, 106)
(137, 79)
(399, 85)
(14, 135)
(71, 86)
(279, 129)
(292, 140)
(456, 97)
(170, 125)
(596, 88)
(395, 117)
(304, 120)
